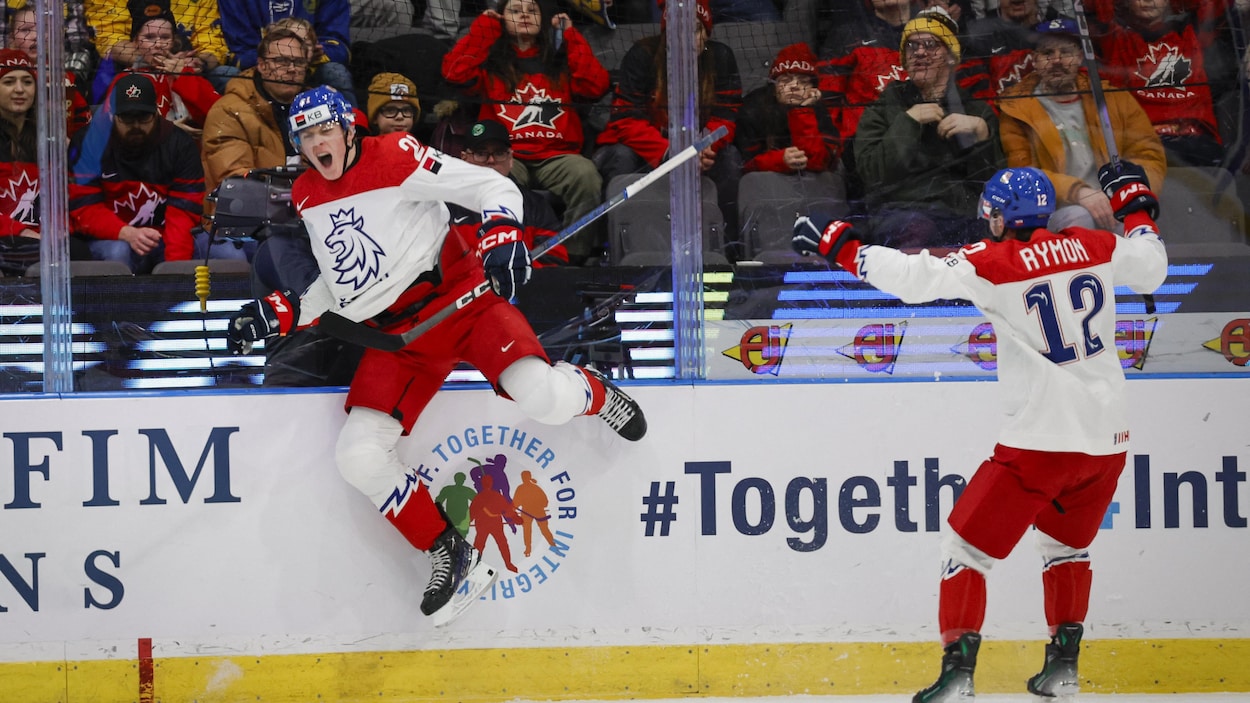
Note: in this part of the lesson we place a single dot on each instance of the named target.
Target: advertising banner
(777, 512)
(922, 346)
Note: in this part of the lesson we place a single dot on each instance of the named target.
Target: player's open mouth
(325, 159)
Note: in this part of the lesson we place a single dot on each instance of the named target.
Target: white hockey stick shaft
(351, 331)
(630, 191)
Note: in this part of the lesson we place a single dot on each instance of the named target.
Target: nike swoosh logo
(507, 346)
(998, 50)
(108, 175)
(867, 42)
(301, 203)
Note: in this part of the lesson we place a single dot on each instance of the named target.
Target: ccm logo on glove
(497, 237)
(282, 310)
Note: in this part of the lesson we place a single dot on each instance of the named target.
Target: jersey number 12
(1085, 294)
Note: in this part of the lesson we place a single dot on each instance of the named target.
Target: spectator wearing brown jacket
(247, 128)
(1049, 121)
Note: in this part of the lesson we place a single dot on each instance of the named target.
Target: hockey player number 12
(1086, 294)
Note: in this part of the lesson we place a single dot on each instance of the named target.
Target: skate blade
(479, 579)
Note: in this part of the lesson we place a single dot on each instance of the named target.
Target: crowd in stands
(907, 105)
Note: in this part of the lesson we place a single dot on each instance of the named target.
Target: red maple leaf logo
(531, 107)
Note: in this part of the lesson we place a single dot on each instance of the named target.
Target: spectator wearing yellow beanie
(933, 21)
(392, 104)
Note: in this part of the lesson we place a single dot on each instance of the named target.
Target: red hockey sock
(961, 604)
(418, 518)
(1066, 587)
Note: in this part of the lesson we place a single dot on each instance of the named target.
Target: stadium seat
(768, 203)
(88, 268)
(1200, 213)
(640, 231)
(168, 268)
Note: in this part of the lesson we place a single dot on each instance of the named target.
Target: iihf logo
(357, 258)
(504, 489)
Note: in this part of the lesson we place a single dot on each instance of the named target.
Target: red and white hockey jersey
(382, 224)
(1052, 303)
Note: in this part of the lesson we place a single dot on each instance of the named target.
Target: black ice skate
(1058, 676)
(955, 681)
(457, 579)
(619, 410)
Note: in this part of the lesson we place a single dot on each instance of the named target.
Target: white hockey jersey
(1052, 303)
(383, 222)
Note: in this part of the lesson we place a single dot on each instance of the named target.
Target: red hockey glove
(1128, 190)
(829, 241)
(271, 315)
(505, 258)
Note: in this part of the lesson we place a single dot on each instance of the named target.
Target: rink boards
(764, 539)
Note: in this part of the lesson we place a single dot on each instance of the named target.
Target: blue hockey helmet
(317, 106)
(1023, 196)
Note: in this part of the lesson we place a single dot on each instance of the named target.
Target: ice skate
(955, 682)
(1058, 677)
(457, 579)
(619, 410)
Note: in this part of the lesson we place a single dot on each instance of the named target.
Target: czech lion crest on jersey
(357, 257)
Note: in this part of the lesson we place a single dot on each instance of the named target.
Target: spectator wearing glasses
(1049, 121)
(247, 128)
(392, 104)
(489, 144)
(142, 205)
(242, 21)
(530, 68)
(925, 147)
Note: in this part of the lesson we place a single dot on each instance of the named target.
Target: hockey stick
(1095, 84)
(1100, 102)
(347, 330)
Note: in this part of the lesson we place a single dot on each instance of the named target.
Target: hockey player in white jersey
(1050, 297)
(378, 228)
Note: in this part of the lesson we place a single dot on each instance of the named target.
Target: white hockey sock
(552, 395)
(366, 455)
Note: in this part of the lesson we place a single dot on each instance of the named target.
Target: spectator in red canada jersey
(636, 137)
(530, 67)
(142, 203)
(1160, 56)
(784, 127)
(856, 62)
(19, 168)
